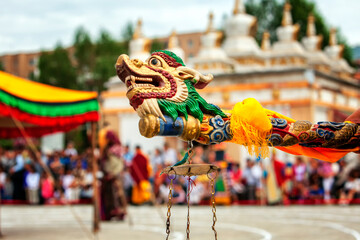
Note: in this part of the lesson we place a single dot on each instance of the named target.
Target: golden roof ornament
(265, 43)
(172, 40)
(311, 30)
(239, 7)
(138, 32)
(287, 18)
(332, 38)
(210, 27)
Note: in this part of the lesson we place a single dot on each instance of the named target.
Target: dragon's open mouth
(133, 79)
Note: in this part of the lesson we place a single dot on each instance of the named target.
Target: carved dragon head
(163, 85)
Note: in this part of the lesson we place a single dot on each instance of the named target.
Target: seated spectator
(236, 187)
(198, 156)
(299, 178)
(56, 166)
(86, 184)
(157, 160)
(8, 188)
(352, 188)
(32, 181)
(250, 179)
(170, 155)
(179, 195)
(316, 190)
(70, 186)
(327, 174)
(17, 173)
(47, 187)
(3, 177)
(128, 155)
(287, 184)
(197, 192)
(70, 150)
(64, 158)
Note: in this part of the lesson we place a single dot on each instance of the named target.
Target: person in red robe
(113, 200)
(140, 171)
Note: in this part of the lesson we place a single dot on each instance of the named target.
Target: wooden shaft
(0, 216)
(96, 195)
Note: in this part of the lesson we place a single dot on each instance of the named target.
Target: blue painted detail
(278, 123)
(331, 125)
(217, 121)
(162, 126)
(327, 135)
(320, 132)
(221, 130)
(275, 139)
(171, 128)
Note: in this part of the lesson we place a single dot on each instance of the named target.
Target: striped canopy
(41, 109)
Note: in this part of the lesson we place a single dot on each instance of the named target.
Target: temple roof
(239, 29)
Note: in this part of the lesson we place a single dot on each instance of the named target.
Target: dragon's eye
(155, 62)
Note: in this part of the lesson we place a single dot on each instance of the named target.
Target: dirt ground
(235, 222)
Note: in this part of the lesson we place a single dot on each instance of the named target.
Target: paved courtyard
(235, 222)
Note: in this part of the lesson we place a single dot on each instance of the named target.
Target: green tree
(126, 35)
(2, 66)
(300, 12)
(348, 52)
(127, 32)
(107, 50)
(269, 15)
(157, 45)
(56, 69)
(84, 51)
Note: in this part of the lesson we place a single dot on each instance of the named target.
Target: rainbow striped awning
(42, 109)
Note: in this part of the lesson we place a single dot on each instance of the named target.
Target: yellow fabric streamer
(38, 92)
(250, 125)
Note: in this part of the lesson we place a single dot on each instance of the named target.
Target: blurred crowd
(45, 177)
(132, 176)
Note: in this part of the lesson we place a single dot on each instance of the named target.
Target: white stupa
(287, 51)
(139, 46)
(212, 58)
(335, 51)
(266, 49)
(265, 43)
(312, 43)
(173, 46)
(239, 30)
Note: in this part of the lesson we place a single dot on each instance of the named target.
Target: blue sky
(39, 24)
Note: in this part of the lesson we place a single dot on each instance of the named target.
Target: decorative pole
(0, 216)
(96, 202)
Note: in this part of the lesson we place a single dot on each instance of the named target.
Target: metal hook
(174, 174)
(209, 172)
(191, 145)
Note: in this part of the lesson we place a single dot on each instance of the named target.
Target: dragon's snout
(120, 66)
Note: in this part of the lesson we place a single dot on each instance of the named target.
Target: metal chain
(212, 180)
(168, 214)
(188, 212)
(190, 151)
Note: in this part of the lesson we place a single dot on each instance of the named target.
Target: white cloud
(32, 25)
(344, 15)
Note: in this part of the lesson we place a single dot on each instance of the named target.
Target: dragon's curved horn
(200, 80)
